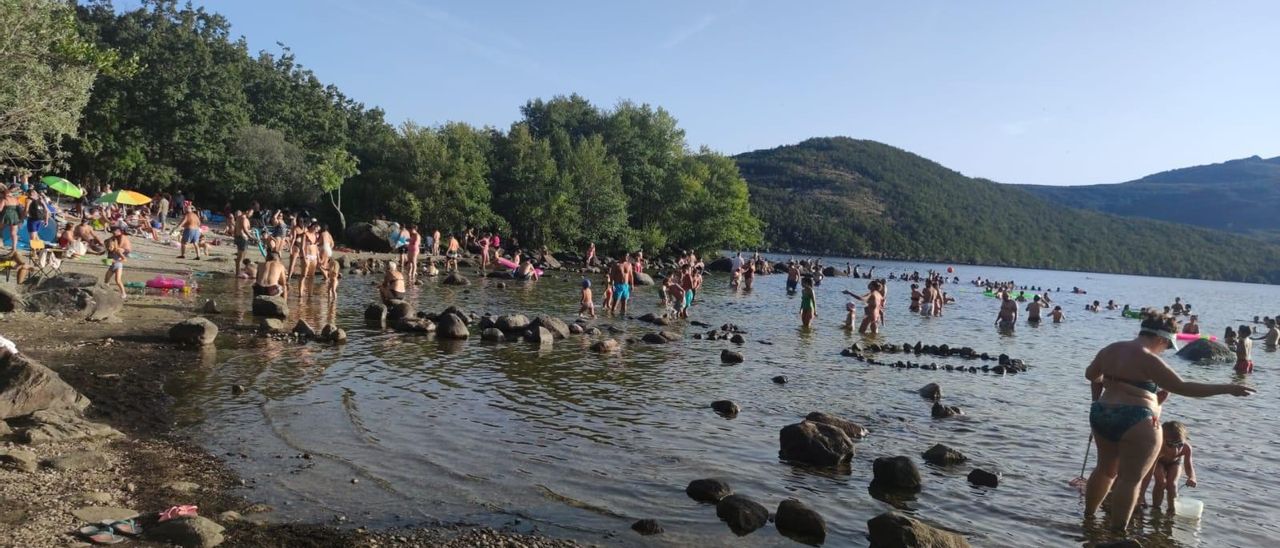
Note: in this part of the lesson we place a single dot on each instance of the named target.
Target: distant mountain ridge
(1238, 196)
(844, 196)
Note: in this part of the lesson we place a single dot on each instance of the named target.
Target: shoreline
(122, 366)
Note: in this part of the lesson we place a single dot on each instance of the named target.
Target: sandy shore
(122, 367)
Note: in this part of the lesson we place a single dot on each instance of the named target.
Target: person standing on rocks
(415, 243)
(240, 234)
(621, 276)
(590, 260)
(190, 226)
(272, 280)
(1126, 378)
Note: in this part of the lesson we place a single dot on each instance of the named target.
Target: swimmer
(1007, 317)
(1057, 314)
(808, 303)
(1033, 310)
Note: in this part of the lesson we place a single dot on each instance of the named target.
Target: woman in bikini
(310, 257)
(873, 300)
(1126, 379)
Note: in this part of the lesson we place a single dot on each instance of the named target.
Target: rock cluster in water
(1004, 364)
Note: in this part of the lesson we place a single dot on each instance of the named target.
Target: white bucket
(1189, 508)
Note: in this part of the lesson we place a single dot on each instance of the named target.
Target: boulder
(188, 532)
(556, 326)
(931, 391)
(737, 338)
(654, 338)
(193, 332)
(539, 335)
(455, 278)
(895, 473)
(723, 264)
(850, 428)
(1207, 351)
(779, 380)
(26, 387)
(493, 334)
(450, 326)
(642, 278)
(725, 408)
(647, 527)
(79, 460)
(814, 443)
(99, 514)
(575, 329)
(103, 304)
(19, 459)
(604, 347)
(414, 325)
(942, 455)
(271, 325)
(708, 490)
(61, 425)
(512, 322)
(983, 478)
(376, 315)
(730, 356)
(371, 236)
(549, 261)
(800, 523)
(398, 310)
(896, 530)
(670, 336)
(742, 514)
(10, 301)
(940, 411)
(270, 307)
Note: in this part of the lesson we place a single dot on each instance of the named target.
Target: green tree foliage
(862, 198)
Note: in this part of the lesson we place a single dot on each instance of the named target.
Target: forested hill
(863, 198)
(1240, 195)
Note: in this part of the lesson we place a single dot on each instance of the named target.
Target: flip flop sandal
(98, 534)
(125, 527)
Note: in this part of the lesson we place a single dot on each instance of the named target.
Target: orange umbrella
(125, 197)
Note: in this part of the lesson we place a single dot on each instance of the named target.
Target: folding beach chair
(46, 261)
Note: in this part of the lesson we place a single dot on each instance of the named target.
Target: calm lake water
(580, 445)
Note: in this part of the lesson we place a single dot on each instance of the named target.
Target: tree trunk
(337, 206)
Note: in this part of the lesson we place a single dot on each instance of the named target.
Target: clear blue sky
(1020, 91)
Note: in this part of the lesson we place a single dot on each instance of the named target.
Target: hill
(863, 198)
(1240, 196)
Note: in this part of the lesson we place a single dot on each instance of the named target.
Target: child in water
(808, 303)
(851, 315)
(247, 270)
(1229, 338)
(331, 278)
(587, 305)
(1057, 314)
(1174, 454)
(1244, 349)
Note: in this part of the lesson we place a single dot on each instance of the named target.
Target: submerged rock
(1207, 351)
(931, 391)
(814, 443)
(984, 478)
(940, 411)
(647, 527)
(708, 490)
(895, 473)
(942, 455)
(742, 514)
(731, 356)
(605, 346)
(896, 530)
(725, 408)
(800, 523)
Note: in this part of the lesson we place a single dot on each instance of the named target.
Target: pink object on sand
(178, 511)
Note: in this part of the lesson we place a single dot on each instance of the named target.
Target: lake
(580, 445)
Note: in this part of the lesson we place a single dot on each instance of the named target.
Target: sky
(1078, 92)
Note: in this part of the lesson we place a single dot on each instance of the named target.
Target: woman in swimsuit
(1174, 454)
(808, 303)
(873, 298)
(916, 296)
(310, 257)
(1127, 378)
(11, 216)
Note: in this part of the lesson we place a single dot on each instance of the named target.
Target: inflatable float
(164, 282)
(1012, 294)
(508, 263)
(1193, 337)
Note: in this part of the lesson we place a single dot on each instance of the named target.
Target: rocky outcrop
(895, 530)
(1207, 351)
(850, 428)
(742, 514)
(194, 332)
(27, 387)
(265, 306)
(371, 236)
(814, 443)
(800, 523)
(708, 490)
(451, 326)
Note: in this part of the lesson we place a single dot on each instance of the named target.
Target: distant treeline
(202, 115)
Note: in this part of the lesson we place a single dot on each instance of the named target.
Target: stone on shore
(455, 278)
(78, 460)
(896, 530)
(814, 443)
(850, 428)
(895, 473)
(99, 514)
(104, 304)
(1207, 351)
(984, 478)
(19, 459)
(10, 301)
(194, 332)
(370, 236)
(26, 387)
(708, 490)
(512, 322)
(731, 356)
(270, 307)
(606, 346)
(800, 523)
(556, 326)
(942, 455)
(60, 425)
(451, 326)
(188, 532)
(576, 329)
(742, 514)
(271, 325)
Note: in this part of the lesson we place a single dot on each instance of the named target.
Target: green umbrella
(62, 186)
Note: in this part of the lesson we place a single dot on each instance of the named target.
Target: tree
(530, 192)
(595, 177)
(328, 173)
(278, 168)
(46, 71)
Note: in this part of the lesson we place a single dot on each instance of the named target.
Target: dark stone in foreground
(708, 490)
(942, 455)
(742, 514)
(725, 408)
(931, 391)
(270, 307)
(376, 315)
(895, 530)
(193, 332)
(647, 527)
(984, 478)
(895, 473)
(730, 356)
(940, 411)
(800, 523)
(814, 443)
(779, 380)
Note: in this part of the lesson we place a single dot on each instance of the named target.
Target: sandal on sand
(125, 527)
(99, 534)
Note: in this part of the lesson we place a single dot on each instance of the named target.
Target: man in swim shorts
(621, 276)
(190, 226)
(1007, 318)
(240, 233)
(271, 280)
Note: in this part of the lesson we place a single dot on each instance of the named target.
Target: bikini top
(1149, 386)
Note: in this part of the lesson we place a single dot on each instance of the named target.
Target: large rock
(450, 326)
(983, 478)
(742, 514)
(654, 338)
(555, 325)
(194, 332)
(895, 473)
(799, 522)
(604, 347)
(79, 460)
(539, 335)
(271, 325)
(708, 490)
(398, 310)
(725, 408)
(931, 391)
(942, 455)
(895, 530)
(19, 459)
(188, 532)
(304, 330)
(103, 304)
(10, 301)
(731, 356)
(266, 306)
(62, 425)
(456, 279)
(642, 278)
(814, 443)
(512, 322)
(647, 527)
(492, 334)
(1207, 351)
(26, 387)
(850, 428)
(939, 411)
(371, 236)
(375, 315)
(723, 264)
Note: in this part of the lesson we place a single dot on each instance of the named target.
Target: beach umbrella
(125, 197)
(62, 186)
